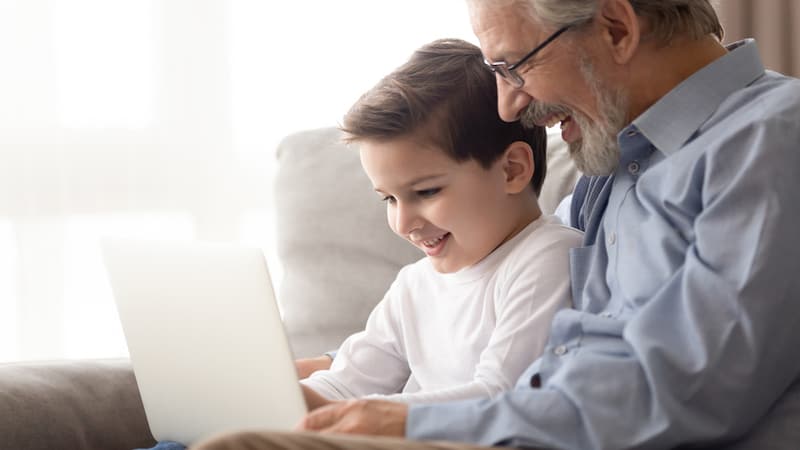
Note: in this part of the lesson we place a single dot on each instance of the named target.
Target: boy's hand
(313, 399)
(373, 417)
(306, 366)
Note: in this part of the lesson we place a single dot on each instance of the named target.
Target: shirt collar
(672, 120)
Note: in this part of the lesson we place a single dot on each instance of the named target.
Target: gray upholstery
(561, 173)
(779, 429)
(338, 253)
(75, 405)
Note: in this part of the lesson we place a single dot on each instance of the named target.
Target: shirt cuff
(524, 417)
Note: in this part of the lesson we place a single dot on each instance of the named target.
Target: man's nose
(510, 100)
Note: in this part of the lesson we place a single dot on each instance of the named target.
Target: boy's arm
(306, 366)
(368, 362)
(313, 399)
(533, 286)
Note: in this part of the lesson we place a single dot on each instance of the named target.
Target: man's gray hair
(667, 18)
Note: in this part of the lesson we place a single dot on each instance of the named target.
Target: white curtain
(775, 25)
(158, 119)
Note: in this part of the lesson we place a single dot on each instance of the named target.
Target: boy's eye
(428, 192)
(388, 199)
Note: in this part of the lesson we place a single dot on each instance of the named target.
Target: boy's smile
(433, 247)
(455, 212)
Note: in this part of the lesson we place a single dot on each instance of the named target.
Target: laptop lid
(205, 337)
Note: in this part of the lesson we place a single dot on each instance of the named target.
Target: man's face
(562, 85)
(455, 212)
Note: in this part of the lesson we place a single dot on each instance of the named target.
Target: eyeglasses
(509, 71)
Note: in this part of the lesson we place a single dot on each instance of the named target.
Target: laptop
(205, 338)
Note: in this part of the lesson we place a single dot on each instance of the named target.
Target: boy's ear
(518, 167)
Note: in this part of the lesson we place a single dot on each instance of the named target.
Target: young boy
(461, 185)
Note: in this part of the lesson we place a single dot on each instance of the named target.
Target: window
(158, 119)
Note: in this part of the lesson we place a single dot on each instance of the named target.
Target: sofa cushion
(338, 253)
(779, 428)
(76, 405)
(561, 173)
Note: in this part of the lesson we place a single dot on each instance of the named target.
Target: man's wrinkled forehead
(505, 32)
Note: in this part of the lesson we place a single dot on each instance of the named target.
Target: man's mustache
(538, 112)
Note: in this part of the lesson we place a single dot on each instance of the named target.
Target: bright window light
(300, 65)
(8, 294)
(92, 326)
(118, 116)
(104, 55)
(257, 229)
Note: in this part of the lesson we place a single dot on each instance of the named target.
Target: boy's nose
(406, 219)
(510, 100)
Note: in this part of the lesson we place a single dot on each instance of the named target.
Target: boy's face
(457, 213)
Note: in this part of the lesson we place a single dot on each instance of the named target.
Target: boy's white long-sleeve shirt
(438, 337)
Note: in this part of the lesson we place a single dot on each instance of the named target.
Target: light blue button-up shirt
(687, 319)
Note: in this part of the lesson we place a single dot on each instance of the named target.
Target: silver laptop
(205, 338)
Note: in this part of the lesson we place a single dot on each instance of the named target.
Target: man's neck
(657, 69)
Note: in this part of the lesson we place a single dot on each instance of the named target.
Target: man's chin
(601, 165)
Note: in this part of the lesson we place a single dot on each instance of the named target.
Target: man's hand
(373, 417)
(306, 366)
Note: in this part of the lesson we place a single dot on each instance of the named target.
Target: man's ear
(620, 29)
(518, 167)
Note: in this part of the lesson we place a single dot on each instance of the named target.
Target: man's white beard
(597, 152)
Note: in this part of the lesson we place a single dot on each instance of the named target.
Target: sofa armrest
(79, 404)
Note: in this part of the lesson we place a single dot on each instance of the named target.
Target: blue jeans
(166, 445)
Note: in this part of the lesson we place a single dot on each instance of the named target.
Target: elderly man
(687, 319)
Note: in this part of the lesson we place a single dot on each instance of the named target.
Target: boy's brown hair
(445, 96)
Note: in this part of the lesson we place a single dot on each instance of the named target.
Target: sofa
(338, 257)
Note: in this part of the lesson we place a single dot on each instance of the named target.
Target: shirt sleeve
(698, 362)
(533, 286)
(370, 361)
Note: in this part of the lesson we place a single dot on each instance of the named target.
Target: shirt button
(612, 238)
(631, 133)
(606, 315)
(633, 167)
(561, 350)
